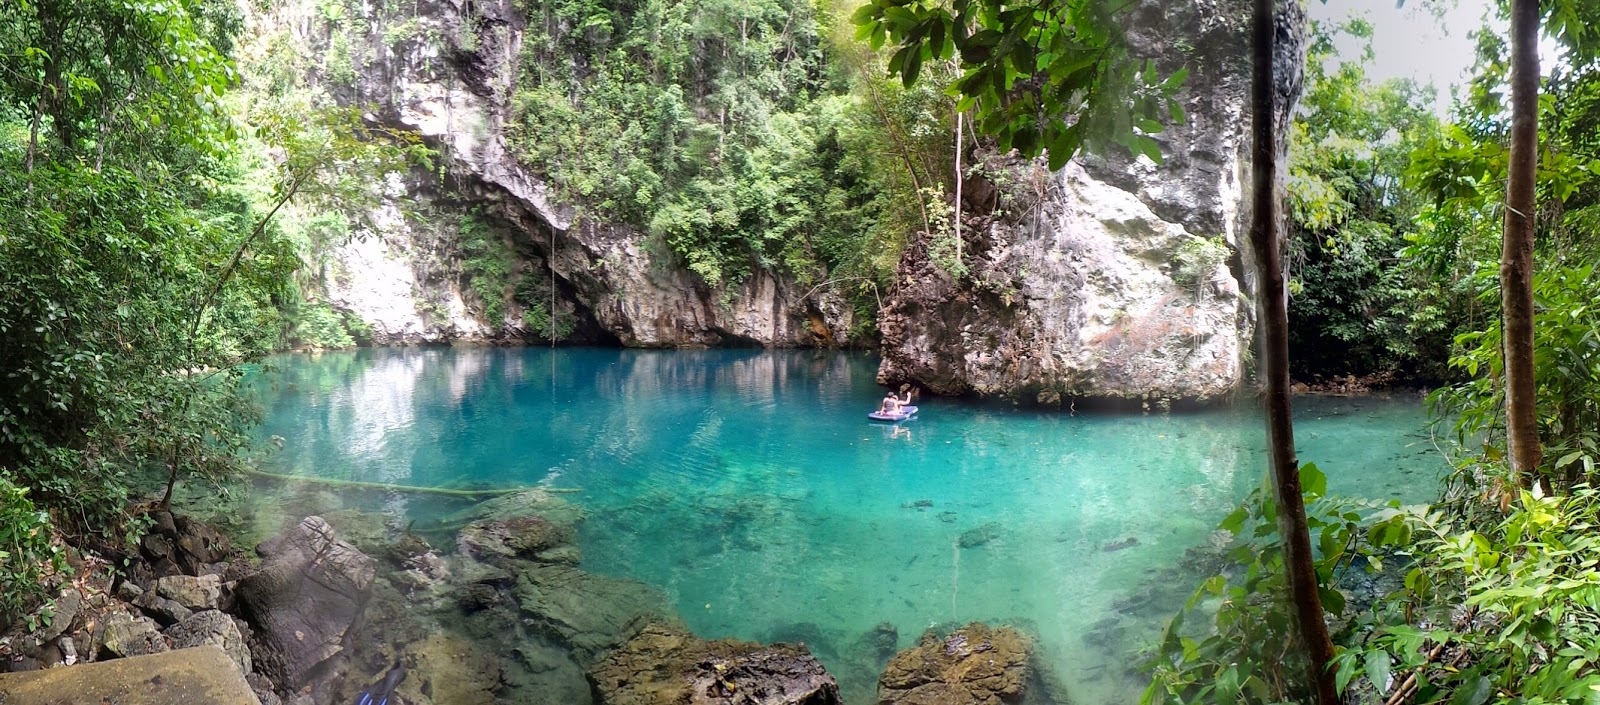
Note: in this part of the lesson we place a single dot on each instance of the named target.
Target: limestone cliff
(1114, 277)
(446, 69)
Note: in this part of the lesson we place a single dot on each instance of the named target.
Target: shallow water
(751, 488)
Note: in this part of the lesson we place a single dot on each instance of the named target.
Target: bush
(1513, 610)
(27, 554)
(1235, 640)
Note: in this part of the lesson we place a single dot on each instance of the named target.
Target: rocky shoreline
(490, 607)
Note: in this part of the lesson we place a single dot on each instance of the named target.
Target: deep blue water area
(750, 487)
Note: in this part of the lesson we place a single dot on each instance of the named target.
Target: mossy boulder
(974, 665)
(522, 537)
(588, 614)
(666, 665)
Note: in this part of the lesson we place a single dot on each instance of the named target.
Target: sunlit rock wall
(1114, 277)
(446, 70)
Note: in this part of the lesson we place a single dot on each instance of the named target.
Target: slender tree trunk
(1516, 255)
(958, 188)
(1265, 234)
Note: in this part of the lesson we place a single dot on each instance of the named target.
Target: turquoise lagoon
(749, 486)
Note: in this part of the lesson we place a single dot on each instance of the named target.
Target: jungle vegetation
(164, 208)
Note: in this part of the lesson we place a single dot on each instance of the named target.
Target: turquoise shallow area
(751, 488)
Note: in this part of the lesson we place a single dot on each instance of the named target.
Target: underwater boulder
(589, 614)
(528, 503)
(974, 665)
(524, 537)
(979, 536)
(666, 665)
(304, 603)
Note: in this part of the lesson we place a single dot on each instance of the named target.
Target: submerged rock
(881, 640)
(442, 669)
(587, 613)
(982, 535)
(974, 665)
(304, 602)
(528, 503)
(1115, 546)
(668, 666)
(524, 537)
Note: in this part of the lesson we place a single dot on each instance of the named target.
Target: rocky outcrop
(129, 634)
(212, 627)
(304, 603)
(668, 666)
(974, 665)
(586, 613)
(450, 78)
(1114, 277)
(183, 677)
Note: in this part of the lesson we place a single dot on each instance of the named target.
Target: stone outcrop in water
(668, 666)
(974, 665)
(304, 602)
(1114, 277)
(586, 613)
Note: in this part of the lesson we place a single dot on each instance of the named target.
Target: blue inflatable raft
(906, 412)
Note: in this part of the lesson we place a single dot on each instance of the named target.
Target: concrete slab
(202, 675)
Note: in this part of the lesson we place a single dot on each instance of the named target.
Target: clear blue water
(751, 488)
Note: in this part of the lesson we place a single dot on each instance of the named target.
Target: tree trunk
(1516, 254)
(1265, 234)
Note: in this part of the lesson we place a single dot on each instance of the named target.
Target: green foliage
(1463, 172)
(27, 555)
(705, 122)
(942, 244)
(1511, 612)
(534, 295)
(1038, 75)
(1360, 305)
(315, 324)
(487, 261)
(140, 262)
(1236, 640)
(106, 374)
(93, 73)
(1566, 376)
(1197, 260)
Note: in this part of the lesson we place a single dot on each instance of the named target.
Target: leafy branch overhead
(1046, 75)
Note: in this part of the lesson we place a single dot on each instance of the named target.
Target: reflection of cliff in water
(748, 488)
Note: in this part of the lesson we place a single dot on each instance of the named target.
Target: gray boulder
(587, 613)
(668, 666)
(194, 593)
(123, 634)
(212, 627)
(304, 603)
(163, 610)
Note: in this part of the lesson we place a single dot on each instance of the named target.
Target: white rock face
(1106, 283)
(451, 83)
(375, 275)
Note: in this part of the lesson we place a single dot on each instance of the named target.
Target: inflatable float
(906, 412)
